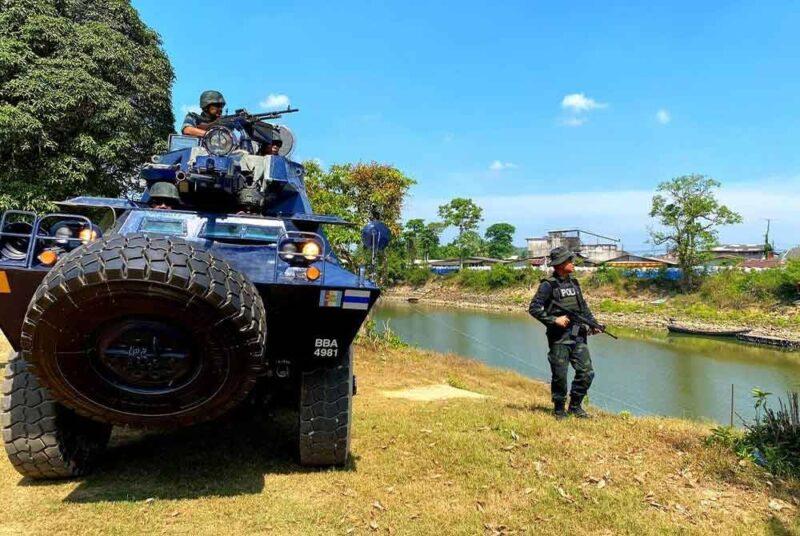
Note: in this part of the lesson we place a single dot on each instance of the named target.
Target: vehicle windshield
(242, 231)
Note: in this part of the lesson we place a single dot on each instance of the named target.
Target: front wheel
(326, 411)
(42, 438)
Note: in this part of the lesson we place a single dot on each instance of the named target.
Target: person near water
(567, 340)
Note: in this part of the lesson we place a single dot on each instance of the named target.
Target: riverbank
(494, 465)
(647, 312)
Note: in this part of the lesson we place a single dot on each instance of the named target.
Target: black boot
(558, 410)
(575, 408)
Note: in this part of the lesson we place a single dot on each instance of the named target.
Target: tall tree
(463, 214)
(421, 238)
(85, 98)
(500, 240)
(357, 193)
(688, 211)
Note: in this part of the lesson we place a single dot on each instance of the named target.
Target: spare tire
(145, 331)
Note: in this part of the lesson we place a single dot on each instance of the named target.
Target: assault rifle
(577, 317)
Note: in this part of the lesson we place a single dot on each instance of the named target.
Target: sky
(549, 115)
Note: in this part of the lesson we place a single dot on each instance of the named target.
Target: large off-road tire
(43, 439)
(326, 412)
(145, 331)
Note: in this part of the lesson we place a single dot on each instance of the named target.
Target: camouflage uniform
(193, 119)
(207, 98)
(567, 345)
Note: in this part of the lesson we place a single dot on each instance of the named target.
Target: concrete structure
(629, 260)
(743, 251)
(594, 247)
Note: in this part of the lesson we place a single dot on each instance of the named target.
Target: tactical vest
(567, 292)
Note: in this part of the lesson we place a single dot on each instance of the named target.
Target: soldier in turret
(211, 103)
(566, 339)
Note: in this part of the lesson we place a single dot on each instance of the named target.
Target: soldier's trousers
(561, 356)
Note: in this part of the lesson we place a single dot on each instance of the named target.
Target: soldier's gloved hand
(562, 321)
(595, 331)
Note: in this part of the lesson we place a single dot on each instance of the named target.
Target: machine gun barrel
(272, 115)
(582, 319)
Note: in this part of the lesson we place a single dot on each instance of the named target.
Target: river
(645, 374)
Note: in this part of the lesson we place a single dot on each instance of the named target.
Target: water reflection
(677, 375)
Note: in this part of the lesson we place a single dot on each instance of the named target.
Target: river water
(645, 374)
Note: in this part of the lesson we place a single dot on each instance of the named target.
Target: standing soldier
(567, 340)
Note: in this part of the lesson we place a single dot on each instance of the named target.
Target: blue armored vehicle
(131, 313)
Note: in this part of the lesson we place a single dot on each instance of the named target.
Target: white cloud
(275, 100)
(578, 102)
(186, 108)
(497, 165)
(573, 121)
(663, 117)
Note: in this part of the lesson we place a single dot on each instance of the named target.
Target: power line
(524, 362)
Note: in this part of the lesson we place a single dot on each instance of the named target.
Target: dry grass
(462, 466)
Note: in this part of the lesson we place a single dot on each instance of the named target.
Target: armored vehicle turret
(170, 311)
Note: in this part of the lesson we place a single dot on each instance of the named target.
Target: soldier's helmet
(209, 97)
(560, 255)
(166, 191)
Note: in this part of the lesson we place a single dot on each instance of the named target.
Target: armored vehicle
(123, 314)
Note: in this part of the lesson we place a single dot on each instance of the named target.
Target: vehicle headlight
(311, 250)
(87, 235)
(218, 141)
(63, 235)
(288, 251)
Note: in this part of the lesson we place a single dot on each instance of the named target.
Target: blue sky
(548, 114)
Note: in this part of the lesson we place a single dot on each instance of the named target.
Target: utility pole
(767, 246)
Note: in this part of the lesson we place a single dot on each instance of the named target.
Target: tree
(690, 214)
(421, 238)
(357, 193)
(500, 238)
(472, 245)
(463, 214)
(85, 98)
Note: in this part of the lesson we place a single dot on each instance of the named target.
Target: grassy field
(499, 465)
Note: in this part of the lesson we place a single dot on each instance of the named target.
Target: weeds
(455, 381)
(373, 336)
(772, 440)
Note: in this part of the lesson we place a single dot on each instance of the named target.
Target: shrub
(606, 275)
(772, 440)
(498, 276)
(417, 276)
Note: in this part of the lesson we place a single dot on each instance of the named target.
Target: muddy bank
(516, 300)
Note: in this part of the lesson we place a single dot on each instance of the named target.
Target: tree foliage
(465, 215)
(422, 239)
(357, 193)
(500, 240)
(85, 98)
(688, 211)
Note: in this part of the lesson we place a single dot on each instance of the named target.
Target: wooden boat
(706, 332)
(764, 340)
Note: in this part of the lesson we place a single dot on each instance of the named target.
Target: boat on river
(684, 330)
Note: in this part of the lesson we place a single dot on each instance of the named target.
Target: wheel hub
(145, 355)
